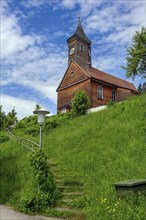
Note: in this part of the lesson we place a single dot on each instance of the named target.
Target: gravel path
(7, 213)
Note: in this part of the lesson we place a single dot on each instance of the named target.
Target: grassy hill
(98, 150)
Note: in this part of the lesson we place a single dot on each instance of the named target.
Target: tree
(11, 117)
(2, 117)
(136, 56)
(139, 88)
(80, 103)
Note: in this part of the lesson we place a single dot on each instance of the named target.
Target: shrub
(80, 103)
(4, 138)
(44, 192)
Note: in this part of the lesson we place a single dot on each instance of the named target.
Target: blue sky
(34, 52)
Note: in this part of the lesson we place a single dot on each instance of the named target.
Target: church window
(81, 47)
(113, 96)
(100, 92)
(63, 110)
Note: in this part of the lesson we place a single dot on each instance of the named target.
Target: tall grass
(15, 172)
(103, 147)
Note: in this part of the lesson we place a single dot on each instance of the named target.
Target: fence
(23, 141)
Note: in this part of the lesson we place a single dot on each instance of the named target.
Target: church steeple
(79, 47)
(79, 32)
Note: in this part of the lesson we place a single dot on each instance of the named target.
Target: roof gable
(76, 74)
(73, 75)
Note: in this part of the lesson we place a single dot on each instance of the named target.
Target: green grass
(15, 172)
(103, 148)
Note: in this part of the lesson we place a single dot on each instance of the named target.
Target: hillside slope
(95, 150)
(104, 147)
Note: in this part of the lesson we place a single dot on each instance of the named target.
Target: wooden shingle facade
(80, 75)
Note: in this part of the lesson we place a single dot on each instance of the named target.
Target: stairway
(72, 197)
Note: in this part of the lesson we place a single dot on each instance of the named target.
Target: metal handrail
(23, 141)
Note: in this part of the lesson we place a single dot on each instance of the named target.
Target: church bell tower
(79, 47)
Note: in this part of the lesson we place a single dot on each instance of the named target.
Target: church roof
(79, 33)
(99, 75)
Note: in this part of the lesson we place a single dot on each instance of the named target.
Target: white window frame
(63, 110)
(99, 92)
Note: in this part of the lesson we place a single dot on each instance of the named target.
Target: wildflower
(103, 200)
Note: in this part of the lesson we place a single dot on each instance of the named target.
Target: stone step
(72, 183)
(66, 201)
(68, 182)
(63, 188)
(51, 163)
(72, 193)
(65, 209)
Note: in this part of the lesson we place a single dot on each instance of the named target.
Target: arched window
(81, 47)
(100, 92)
(113, 96)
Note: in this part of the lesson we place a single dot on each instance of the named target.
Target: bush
(110, 103)
(34, 201)
(4, 139)
(44, 192)
(80, 103)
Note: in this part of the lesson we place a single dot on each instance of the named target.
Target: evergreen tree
(144, 87)
(3, 118)
(11, 117)
(139, 88)
(136, 57)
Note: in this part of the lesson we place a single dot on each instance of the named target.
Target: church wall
(107, 94)
(123, 94)
(73, 75)
(66, 95)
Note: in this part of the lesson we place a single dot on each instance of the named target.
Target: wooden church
(80, 75)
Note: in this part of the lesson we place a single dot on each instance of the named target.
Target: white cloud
(12, 39)
(34, 3)
(35, 63)
(27, 63)
(68, 4)
(23, 107)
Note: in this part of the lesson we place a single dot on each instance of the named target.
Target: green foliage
(32, 202)
(80, 103)
(29, 125)
(110, 103)
(11, 117)
(136, 57)
(42, 174)
(3, 118)
(142, 88)
(104, 147)
(15, 172)
(44, 192)
(4, 138)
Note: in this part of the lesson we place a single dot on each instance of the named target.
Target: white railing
(23, 141)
